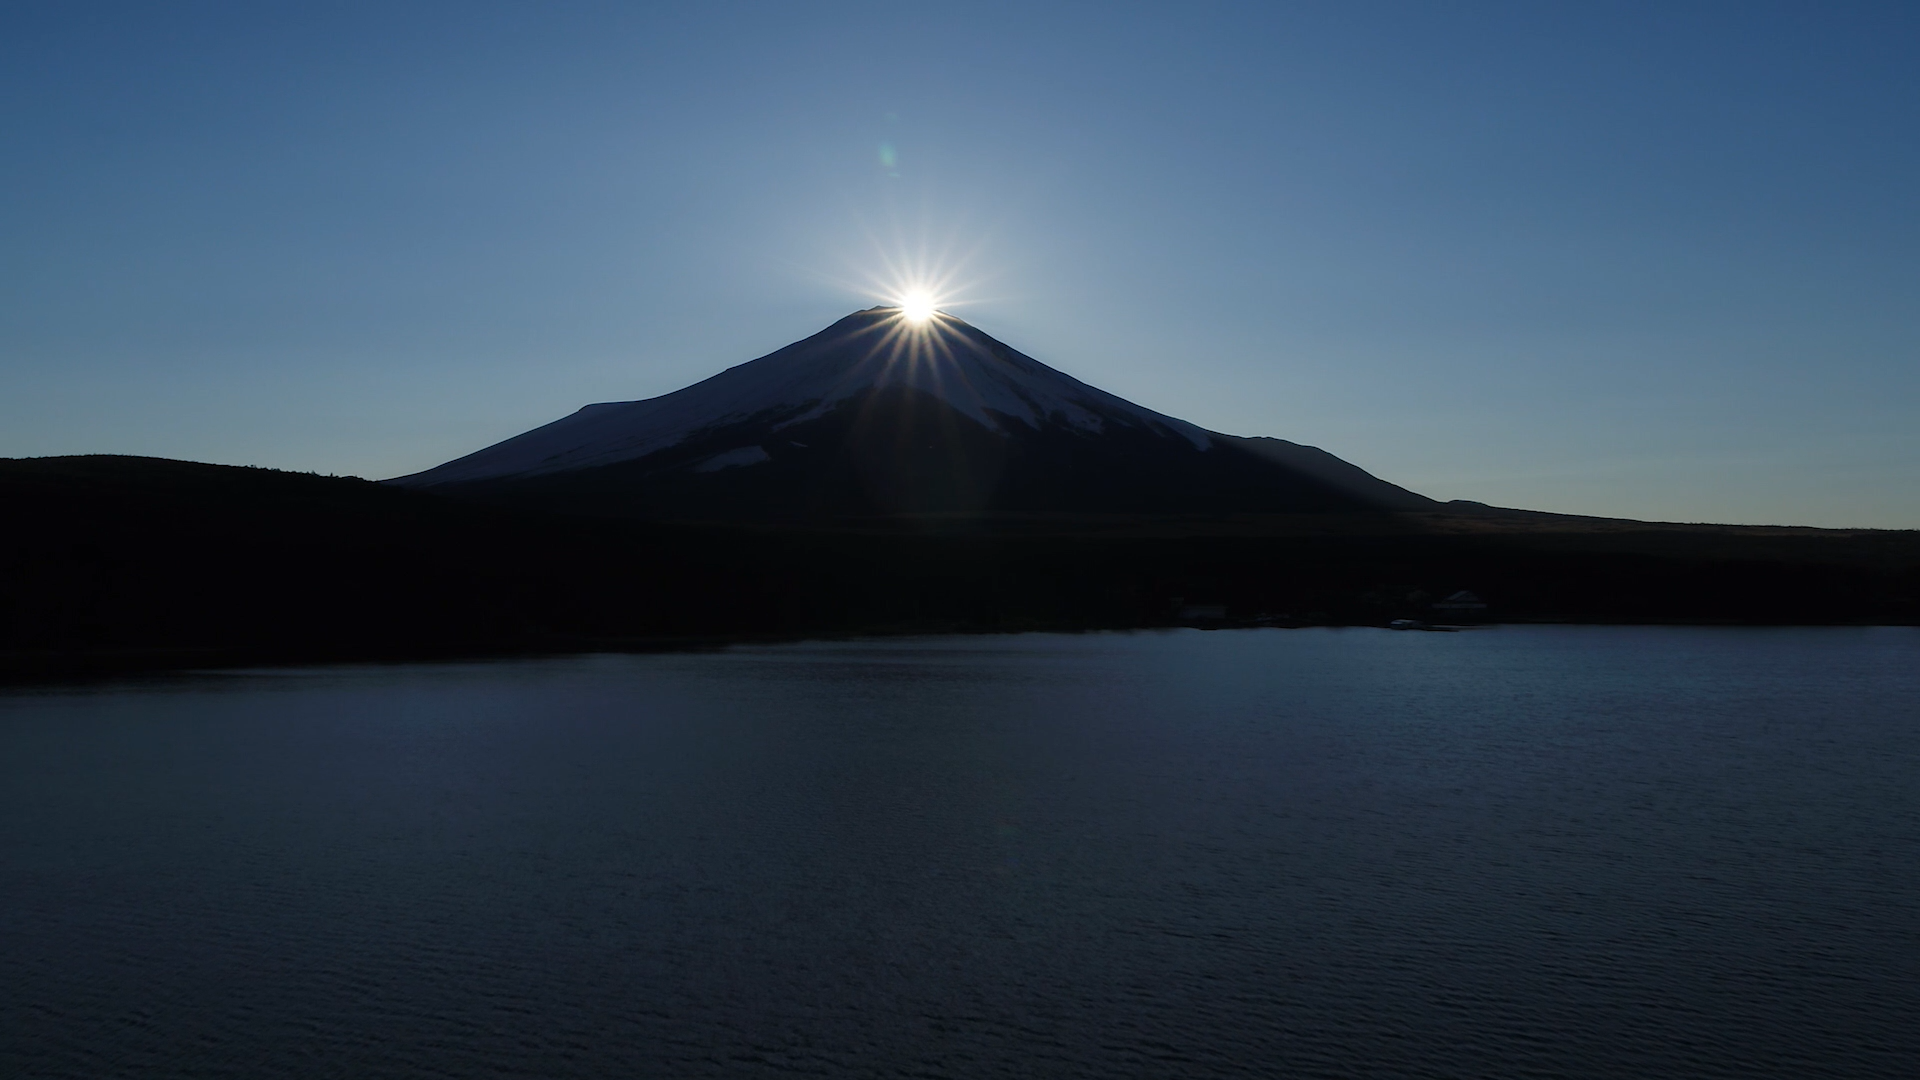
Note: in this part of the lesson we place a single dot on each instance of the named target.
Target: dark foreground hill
(116, 563)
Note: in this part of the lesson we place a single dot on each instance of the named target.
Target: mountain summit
(879, 414)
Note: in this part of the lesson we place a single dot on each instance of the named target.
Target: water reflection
(1567, 851)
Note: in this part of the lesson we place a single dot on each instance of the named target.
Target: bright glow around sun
(916, 307)
(920, 278)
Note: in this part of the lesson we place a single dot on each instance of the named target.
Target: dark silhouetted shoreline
(118, 565)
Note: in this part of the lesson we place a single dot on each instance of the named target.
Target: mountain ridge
(878, 415)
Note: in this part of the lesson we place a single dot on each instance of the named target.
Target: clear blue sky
(1655, 260)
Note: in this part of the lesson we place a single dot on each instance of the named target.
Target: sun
(916, 307)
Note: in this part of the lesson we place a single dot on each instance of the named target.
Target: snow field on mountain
(869, 350)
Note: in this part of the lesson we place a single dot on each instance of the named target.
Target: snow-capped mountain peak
(874, 349)
(880, 414)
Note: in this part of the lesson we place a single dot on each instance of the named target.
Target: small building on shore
(1463, 605)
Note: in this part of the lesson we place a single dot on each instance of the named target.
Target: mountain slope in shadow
(877, 416)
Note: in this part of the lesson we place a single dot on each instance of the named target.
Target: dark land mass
(115, 564)
(891, 452)
(875, 418)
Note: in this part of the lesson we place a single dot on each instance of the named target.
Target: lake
(1512, 852)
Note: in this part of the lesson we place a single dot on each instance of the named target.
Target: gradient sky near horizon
(1651, 260)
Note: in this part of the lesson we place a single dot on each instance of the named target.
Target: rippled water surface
(1569, 852)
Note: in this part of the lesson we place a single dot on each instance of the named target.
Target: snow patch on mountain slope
(873, 349)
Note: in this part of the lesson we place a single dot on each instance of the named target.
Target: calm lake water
(1515, 852)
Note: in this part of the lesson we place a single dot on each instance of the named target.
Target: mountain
(877, 415)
